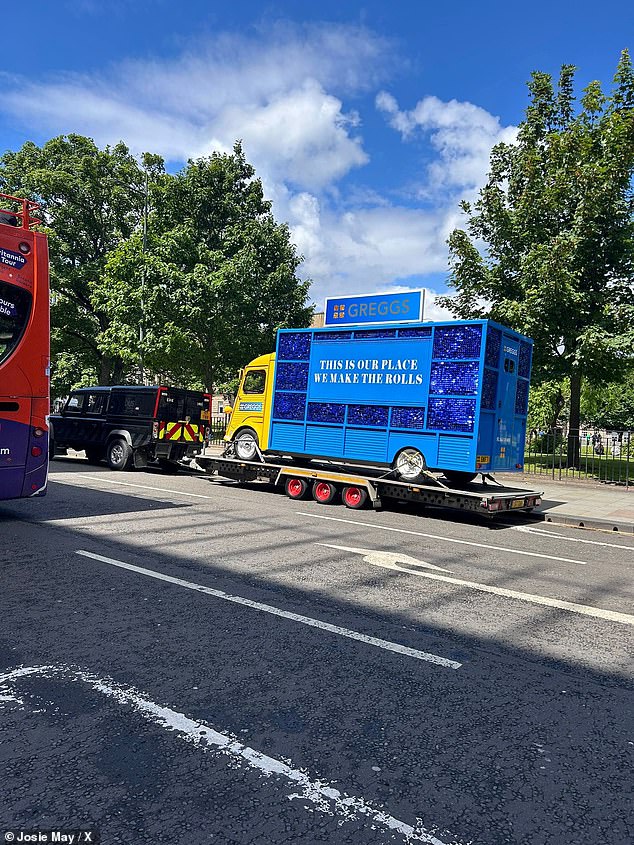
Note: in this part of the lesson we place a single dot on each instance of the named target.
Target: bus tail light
(38, 432)
(36, 451)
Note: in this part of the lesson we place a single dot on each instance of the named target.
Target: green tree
(92, 200)
(610, 406)
(556, 220)
(218, 275)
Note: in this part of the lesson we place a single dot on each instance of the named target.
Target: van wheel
(459, 478)
(118, 454)
(354, 497)
(246, 445)
(410, 464)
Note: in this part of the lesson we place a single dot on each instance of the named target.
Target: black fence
(217, 427)
(600, 455)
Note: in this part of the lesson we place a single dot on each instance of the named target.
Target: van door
(506, 452)
(249, 408)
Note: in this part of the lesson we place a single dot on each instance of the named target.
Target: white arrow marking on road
(325, 797)
(276, 611)
(390, 560)
(585, 610)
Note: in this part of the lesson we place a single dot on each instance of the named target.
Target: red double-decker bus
(24, 351)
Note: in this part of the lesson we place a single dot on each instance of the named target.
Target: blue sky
(366, 122)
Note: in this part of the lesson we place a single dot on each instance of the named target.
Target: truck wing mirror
(227, 409)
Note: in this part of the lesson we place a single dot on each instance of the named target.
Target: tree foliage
(218, 275)
(549, 243)
(92, 200)
(188, 274)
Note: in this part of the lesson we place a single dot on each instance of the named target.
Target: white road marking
(444, 539)
(322, 794)
(387, 558)
(543, 532)
(276, 611)
(584, 610)
(128, 484)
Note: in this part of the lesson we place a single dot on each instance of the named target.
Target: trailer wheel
(246, 444)
(354, 497)
(296, 488)
(324, 492)
(459, 478)
(410, 464)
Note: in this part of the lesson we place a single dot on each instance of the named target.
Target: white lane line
(584, 610)
(276, 611)
(444, 539)
(543, 532)
(325, 797)
(128, 484)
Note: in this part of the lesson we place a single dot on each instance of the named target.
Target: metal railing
(217, 427)
(606, 456)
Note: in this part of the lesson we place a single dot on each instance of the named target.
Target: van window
(95, 403)
(254, 381)
(74, 404)
(177, 405)
(133, 403)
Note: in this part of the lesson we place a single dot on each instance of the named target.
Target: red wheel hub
(353, 496)
(323, 491)
(295, 488)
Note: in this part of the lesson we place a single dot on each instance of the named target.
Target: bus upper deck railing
(27, 221)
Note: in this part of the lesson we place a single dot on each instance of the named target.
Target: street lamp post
(143, 279)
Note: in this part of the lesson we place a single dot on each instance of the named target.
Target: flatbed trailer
(366, 486)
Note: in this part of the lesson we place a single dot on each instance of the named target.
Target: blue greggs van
(446, 396)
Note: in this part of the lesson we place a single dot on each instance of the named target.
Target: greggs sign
(374, 309)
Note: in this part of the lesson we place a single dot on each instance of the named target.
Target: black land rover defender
(132, 426)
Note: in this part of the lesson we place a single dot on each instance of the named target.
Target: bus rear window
(15, 308)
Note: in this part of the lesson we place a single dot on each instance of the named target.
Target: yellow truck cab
(250, 421)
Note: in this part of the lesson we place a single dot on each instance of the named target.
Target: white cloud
(283, 92)
(462, 134)
(274, 92)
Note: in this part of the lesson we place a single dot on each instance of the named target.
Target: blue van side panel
(364, 394)
(286, 437)
(455, 452)
(324, 440)
(366, 445)
(427, 444)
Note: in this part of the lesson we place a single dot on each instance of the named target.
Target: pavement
(580, 503)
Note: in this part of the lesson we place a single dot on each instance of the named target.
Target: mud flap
(139, 458)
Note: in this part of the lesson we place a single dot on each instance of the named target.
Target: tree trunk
(104, 371)
(574, 449)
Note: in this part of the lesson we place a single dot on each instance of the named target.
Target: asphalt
(579, 503)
